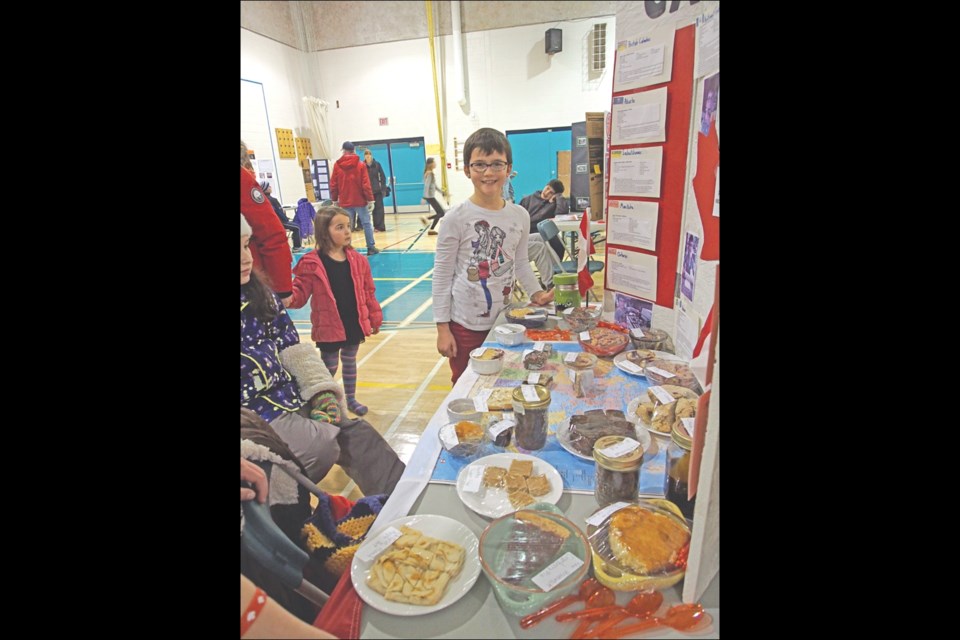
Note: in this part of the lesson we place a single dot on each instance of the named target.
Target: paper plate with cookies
(496, 485)
(416, 565)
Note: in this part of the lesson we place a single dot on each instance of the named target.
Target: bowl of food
(463, 409)
(653, 339)
(604, 341)
(462, 439)
(641, 546)
(486, 360)
(517, 547)
(510, 334)
(661, 407)
(527, 316)
(675, 372)
(582, 318)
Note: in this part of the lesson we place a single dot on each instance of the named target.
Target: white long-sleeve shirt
(479, 255)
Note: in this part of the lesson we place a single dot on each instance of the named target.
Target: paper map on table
(612, 389)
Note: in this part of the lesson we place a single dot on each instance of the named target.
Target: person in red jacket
(268, 244)
(343, 305)
(350, 189)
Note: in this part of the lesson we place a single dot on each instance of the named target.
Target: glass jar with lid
(678, 466)
(531, 403)
(618, 461)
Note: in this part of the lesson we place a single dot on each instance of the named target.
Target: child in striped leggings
(343, 305)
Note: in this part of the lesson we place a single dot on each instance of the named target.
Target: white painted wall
(511, 84)
(280, 69)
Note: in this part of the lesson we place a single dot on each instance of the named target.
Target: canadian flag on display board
(584, 279)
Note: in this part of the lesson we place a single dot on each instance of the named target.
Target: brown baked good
(468, 431)
(494, 476)
(646, 541)
(522, 467)
(520, 498)
(515, 482)
(501, 399)
(538, 485)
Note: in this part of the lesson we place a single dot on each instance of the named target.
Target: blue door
(535, 158)
(402, 161)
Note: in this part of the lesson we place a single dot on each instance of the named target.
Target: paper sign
(663, 395)
(534, 378)
(688, 425)
(637, 332)
(660, 372)
(570, 357)
(474, 478)
(538, 346)
(529, 393)
(480, 400)
(518, 408)
(558, 571)
(585, 336)
(499, 427)
(448, 436)
(629, 366)
(620, 449)
(598, 518)
(371, 550)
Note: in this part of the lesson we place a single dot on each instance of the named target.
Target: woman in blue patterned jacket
(286, 383)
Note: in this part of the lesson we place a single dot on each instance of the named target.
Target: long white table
(477, 614)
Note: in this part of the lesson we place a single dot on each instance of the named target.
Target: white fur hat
(245, 229)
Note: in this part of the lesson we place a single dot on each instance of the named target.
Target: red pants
(467, 340)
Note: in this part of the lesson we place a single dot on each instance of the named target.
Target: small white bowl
(510, 334)
(485, 367)
(463, 409)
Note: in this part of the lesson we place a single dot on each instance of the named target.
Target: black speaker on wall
(553, 42)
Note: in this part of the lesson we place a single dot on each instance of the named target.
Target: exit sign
(383, 122)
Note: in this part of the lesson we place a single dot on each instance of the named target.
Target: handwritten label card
(570, 357)
(663, 395)
(529, 393)
(474, 478)
(499, 427)
(373, 549)
(631, 367)
(622, 448)
(448, 436)
(480, 400)
(661, 372)
(558, 571)
(598, 518)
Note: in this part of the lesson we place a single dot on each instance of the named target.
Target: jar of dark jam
(678, 468)
(618, 476)
(531, 417)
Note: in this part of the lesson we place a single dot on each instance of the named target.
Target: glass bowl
(662, 528)
(463, 439)
(653, 339)
(582, 318)
(604, 342)
(514, 550)
(674, 372)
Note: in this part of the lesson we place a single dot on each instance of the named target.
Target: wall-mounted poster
(631, 312)
(689, 276)
(643, 61)
(633, 223)
(632, 272)
(636, 172)
(711, 102)
(640, 118)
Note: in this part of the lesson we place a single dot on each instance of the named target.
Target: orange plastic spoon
(587, 589)
(680, 617)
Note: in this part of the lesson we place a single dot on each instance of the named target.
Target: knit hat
(347, 146)
(245, 229)
(264, 186)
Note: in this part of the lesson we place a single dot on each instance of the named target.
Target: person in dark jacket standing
(378, 184)
(278, 209)
(350, 190)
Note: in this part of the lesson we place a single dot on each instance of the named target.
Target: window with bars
(599, 58)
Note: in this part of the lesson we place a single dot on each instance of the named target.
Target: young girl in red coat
(343, 308)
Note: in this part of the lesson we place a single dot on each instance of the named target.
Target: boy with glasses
(481, 251)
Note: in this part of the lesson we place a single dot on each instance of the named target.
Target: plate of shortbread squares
(505, 482)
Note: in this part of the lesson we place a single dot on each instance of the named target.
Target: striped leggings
(348, 355)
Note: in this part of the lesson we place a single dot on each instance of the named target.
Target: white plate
(493, 502)
(563, 437)
(622, 356)
(632, 416)
(436, 527)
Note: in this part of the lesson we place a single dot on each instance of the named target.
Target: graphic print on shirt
(488, 258)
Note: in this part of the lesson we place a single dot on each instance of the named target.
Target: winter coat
(378, 180)
(268, 244)
(311, 283)
(350, 183)
(304, 217)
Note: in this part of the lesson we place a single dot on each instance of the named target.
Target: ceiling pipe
(458, 55)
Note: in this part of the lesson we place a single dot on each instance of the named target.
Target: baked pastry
(532, 545)
(520, 499)
(416, 569)
(585, 429)
(515, 482)
(682, 374)
(538, 485)
(501, 399)
(640, 357)
(490, 354)
(673, 390)
(646, 541)
(468, 432)
(522, 467)
(494, 476)
(536, 359)
(645, 412)
(543, 379)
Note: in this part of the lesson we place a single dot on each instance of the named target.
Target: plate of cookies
(496, 485)
(635, 360)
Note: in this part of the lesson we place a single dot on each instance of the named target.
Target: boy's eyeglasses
(481, 167)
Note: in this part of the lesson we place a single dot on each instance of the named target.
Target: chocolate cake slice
(585, 430)
(532, 545)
